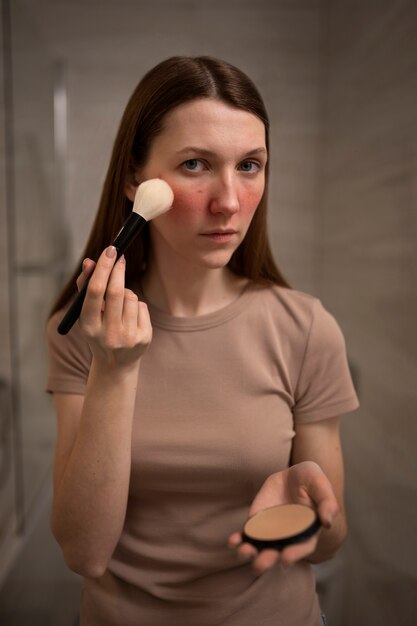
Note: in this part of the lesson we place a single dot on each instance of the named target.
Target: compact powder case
(281, 526)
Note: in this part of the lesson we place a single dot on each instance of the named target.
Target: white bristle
(153, 198)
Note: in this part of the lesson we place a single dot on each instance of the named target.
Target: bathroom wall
(11, 466)
(29, 247)
(368, 278)
(32, 242)
(7, 482)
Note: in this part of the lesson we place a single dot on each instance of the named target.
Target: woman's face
(214, 157)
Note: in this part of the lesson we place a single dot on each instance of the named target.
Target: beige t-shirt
(217, 399)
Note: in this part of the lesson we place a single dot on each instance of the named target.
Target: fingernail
(122, 259)
(111, 252)
(327, 522)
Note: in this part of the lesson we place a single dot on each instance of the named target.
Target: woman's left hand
(303, 483)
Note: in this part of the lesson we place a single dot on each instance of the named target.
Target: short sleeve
(324, 388)
(69, 358)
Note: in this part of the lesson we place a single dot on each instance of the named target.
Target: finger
(115, 293)
(322, 494)
(299, 551)
(98, 284)
(144, 322)
(86, 271)
(130, 309)
(235, 540)
(310, 480)
(247, 552)
(265, 560)
(327, 512)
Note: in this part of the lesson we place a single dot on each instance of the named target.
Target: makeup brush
(153, 198)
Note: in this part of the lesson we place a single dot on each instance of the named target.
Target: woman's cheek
(188, 204)
(250, 200)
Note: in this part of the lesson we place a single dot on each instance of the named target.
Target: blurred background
(339, 79)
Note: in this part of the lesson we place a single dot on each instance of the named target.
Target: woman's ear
(132, 181)
(130, 190)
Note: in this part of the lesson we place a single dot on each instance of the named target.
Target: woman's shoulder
(287, 302)
(296, 313)
(69, 345)
(69, 357)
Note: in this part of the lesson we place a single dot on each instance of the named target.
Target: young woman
(204, 389)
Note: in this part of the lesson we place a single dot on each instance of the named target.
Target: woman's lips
(220, 236)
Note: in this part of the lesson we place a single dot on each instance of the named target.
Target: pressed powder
(280, 526)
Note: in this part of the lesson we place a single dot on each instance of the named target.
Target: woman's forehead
(210, 120)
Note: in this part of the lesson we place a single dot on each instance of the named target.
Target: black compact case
(301, 523)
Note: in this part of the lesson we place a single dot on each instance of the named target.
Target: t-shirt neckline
(163, 320)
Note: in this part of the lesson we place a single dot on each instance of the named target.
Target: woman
(204, 389)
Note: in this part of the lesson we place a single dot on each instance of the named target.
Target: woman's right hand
(116, 324)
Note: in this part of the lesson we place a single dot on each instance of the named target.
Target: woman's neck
(190, 291)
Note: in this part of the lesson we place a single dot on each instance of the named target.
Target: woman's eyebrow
(258, 151)
(205, 152)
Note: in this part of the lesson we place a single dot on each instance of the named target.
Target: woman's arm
(92, 470)
(320, 442)
(93, 450)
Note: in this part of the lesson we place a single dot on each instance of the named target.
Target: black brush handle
(124, 238)
(132, 226)
(73, 312)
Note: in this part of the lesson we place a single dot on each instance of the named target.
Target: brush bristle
(153, 198)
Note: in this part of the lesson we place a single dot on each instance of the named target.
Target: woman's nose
(225, 198)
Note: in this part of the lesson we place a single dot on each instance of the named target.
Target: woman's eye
(193, 165)
(249, 166)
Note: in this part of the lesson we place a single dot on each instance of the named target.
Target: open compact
(281, 526)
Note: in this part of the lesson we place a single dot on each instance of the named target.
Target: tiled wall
(4, 328)
(28, 246)
(368, 270)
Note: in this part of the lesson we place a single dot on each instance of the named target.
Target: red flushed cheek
(254, 197)
(249, 201)
(193, 204)
(187, 205)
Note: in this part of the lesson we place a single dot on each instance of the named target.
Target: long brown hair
(169, 84)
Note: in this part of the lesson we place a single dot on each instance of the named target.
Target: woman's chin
(216, 261)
